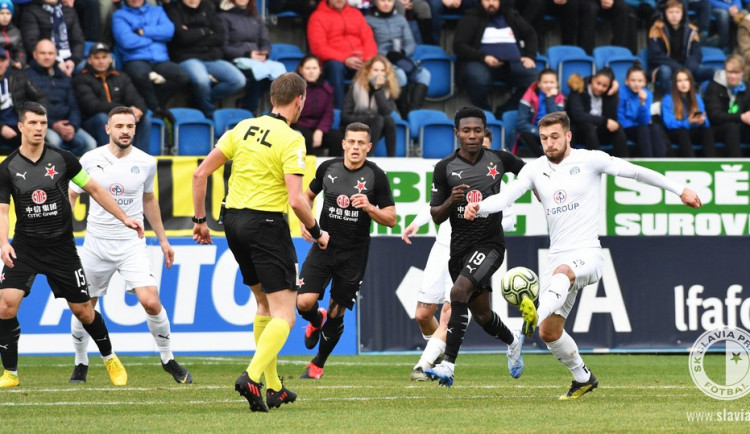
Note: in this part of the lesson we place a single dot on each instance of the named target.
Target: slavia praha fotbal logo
(39, 197)
(474, 196)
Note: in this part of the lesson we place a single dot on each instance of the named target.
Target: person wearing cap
(50, 19)
(99, 88)
(15, 89)
(10, 36)
(63, 114)
(141, 34)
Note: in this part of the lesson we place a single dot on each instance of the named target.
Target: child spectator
(542, 97)
(10, 36)
(593, 112)
(683, 113)
(634, 114)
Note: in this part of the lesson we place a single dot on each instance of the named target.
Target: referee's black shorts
(58, 261)
(262, 245)
(345, 267)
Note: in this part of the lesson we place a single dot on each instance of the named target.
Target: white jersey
(127, 179)
(570, 193)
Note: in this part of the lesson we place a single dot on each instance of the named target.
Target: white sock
(426, 337)
(80, 341)
(554, 297)
(434, 348)
(566, 351)
(158, 325)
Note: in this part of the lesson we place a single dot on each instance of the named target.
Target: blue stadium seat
(336, 124)
(567, 60)
(713, 57)
(434, 131)
(497, 128)
(402, 139)
(620, 59)
(158, 134)
(441, 68)
(643, 55)
(509, 121)
(288, 54)
(193, 132)
(225, 119)
(542, 62)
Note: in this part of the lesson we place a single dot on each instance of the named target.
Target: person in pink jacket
(340, 37)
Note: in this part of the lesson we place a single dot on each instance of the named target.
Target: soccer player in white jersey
(567, 183)
(435, 288)
(128, 173)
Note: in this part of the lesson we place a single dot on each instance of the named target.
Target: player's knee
(304, 305)
(152, 306)
(423, 315)
(84, 312)
(549, 334)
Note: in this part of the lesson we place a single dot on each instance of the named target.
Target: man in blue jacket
(141, 33)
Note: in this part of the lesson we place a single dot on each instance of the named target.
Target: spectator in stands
(728, 106)
(246, 44)
(541, 98)
(316, 120)
(492, 43)
(50, 19)
(743, 41)
(17, 91)
(535, 11)
(11, 36)
(684, 115)
(371, 99)
(447, 7)
(198, 47)
(89, 17)
(593, 112)
(141, 33)
(395, 41)
(634, 114)
(725, 11)
(340, 37)
(58, 96)
(675, 44)
(99, 89)
(419, 13)
(614, 11)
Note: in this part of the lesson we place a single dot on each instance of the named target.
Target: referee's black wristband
(315, 231)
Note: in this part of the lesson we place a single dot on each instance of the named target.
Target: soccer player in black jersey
(477, 247)
(36, 176)
(355, 191)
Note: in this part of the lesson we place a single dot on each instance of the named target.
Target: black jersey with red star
(40, 194)
(483, 178)
(347, 225)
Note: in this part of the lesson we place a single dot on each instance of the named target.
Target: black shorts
(58, 261)
(477, 264)
(345, 267)
(262, 246)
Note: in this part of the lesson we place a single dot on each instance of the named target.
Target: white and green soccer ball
(519, 282)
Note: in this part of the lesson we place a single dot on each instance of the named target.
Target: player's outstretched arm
(498, 202)
(215, 159)
(301, 207)
(153, 215)
(690, 198)
(102, 196)
(422, 218)
(619, 167)
(7, 251)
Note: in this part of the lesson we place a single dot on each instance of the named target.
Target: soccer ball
(519, 282)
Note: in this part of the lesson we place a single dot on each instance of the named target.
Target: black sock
(313, 316)
(456, 330)
(497, 329)
(98, 331)
(329, 337)
(10, 331)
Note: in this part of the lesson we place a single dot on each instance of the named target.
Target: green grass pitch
(369, 394)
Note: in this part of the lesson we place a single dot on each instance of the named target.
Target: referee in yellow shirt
(268, 163)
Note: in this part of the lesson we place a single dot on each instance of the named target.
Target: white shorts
(436, 280)
(587, 267)
(102, 257)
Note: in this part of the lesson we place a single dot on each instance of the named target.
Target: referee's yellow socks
(272, 376)
(269, 344)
